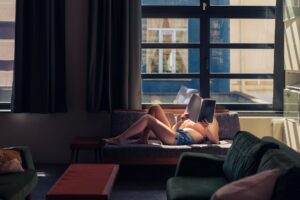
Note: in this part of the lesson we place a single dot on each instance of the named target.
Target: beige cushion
(259, 187)
(10, 161)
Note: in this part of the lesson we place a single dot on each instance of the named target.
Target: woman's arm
(183, 117)
(177, 125)
(211, 130)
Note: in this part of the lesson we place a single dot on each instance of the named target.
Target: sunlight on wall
(292, 44)
(291, 134)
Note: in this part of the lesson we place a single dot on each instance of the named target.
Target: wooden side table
(85, 143)
(84, 182)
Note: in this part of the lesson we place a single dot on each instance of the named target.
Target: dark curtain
(39, 70)
(279, 78)
(113, 80)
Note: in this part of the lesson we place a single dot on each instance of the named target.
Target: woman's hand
(204, 123)
(184, 116)
(180, 121)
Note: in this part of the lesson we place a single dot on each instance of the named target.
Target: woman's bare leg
(157, 112)
(161, 130)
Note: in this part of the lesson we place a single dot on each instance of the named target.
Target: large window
(222, 49)
(7, 34)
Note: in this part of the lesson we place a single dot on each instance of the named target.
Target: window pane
(168, 30)
(170, 60)
(291, 9)
(242, 61)
(243, 2)
(7, 22)
(177, 91)
(256, 91)
(242, 30)
(7, 10)
(292, 45)
(172, 2)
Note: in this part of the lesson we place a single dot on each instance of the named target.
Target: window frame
(228, 12)
(7, 33)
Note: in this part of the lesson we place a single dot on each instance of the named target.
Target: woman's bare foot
(115, 141)
(139, 141)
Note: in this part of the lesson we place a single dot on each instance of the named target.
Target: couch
(157, 153)
(18, 186)
(199, 176)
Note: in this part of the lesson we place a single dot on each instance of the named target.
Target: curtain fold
(113, 80)
(39, 69)
(279, 78)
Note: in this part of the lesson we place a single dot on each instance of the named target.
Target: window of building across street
(221, 49)
(7, 35)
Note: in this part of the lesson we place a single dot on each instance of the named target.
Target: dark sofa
(157, 153)
(18, 186)
(199, 176)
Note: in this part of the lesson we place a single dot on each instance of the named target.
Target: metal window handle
(204, 5)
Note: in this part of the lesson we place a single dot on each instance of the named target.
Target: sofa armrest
(200, 164)
(27, 160)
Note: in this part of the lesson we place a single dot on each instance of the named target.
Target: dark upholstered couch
(157, 153)
(18, 186)
(199, 175)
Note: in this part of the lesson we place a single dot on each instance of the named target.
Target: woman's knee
(154, 109)
(149, 119)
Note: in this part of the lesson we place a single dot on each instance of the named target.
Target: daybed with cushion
(241, 174)
(19, 185)
(157, 153)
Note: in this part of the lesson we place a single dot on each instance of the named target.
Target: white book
(201, 108)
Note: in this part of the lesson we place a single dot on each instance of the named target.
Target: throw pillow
(259, 187)
(10, 161)
(229, 125)
(244, 155)
(287, 184)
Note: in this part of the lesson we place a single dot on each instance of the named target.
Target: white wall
(49, 135)
(263, 126)
(277, 127)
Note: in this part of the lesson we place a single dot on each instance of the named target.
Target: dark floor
(133, 182)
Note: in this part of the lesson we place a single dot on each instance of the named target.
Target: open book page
(200, 109)
(207, 110)
(193, 107)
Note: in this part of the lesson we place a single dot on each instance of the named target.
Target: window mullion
(160, 51)
(253, 12)
(204, 55)
(171, 12)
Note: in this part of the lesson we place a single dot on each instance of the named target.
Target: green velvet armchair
(198, 175)
(19, 185)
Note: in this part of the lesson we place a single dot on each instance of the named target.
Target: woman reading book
(184, 132)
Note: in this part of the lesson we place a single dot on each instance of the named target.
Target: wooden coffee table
(84, 182)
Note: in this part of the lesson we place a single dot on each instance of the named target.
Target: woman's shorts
(183, 138)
